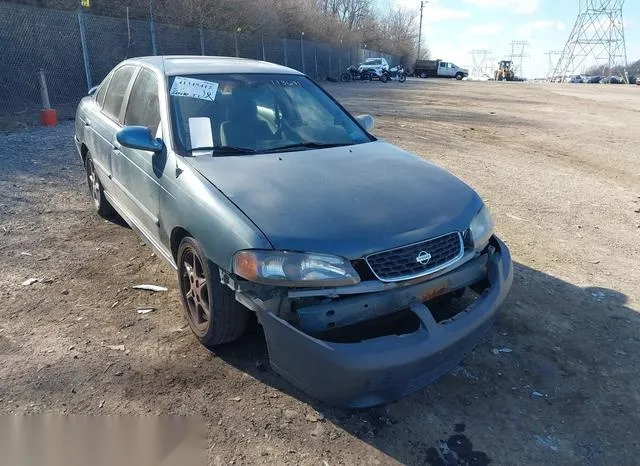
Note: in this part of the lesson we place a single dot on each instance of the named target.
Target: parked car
(267, 196)
(577, 79)
(611, 80)
(374, 66)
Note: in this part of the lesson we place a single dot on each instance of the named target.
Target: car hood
(349, 201)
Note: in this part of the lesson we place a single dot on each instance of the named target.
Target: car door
(137, 172)
(99, 148)
(103, 123)
(442, 68)
(450, 70)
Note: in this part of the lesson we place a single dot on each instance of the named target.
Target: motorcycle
(354, 74)
(397, 72)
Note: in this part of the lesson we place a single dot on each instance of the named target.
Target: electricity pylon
(598, 36)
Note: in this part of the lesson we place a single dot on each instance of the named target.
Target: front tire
(459, 76)
(96, 190)
(402, 77)
(214, 315)
(345, 77)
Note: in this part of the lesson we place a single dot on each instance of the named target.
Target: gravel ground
(560, 172)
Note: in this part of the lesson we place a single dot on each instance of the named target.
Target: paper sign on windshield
(196, 88)
(200, 132)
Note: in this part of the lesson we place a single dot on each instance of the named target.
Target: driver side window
(143, 108)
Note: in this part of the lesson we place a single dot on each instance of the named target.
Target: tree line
(363, 23)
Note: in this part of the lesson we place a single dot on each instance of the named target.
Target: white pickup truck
(439, 69)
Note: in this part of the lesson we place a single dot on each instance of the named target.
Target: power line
(597, 35)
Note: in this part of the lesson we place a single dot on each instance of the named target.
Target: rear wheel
(214, 315)
(384, 77)
(100, 202)
(423, 75)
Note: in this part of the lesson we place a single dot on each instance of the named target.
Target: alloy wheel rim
(195, 291)
(94, 184)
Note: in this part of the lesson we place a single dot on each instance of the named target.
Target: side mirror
(93, 90)
(139, 137)
(366, 121)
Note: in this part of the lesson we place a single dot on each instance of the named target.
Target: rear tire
(384, 77)
(214, 315)
(96, 191)
(423, 75)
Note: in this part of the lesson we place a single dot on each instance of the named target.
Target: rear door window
(103, 90)
(143, 108)
(116, 91)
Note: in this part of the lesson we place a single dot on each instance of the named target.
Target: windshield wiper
(224, 150)
(305, 145)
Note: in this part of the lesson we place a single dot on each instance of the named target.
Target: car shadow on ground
(557, 353)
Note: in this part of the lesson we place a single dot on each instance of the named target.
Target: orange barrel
(48, 117)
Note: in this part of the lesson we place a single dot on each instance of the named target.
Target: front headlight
(481, 228)
(286, 268)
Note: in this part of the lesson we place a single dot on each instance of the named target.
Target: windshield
(373, 61)
(256, 113)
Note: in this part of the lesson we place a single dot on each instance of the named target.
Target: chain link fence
(76, 50)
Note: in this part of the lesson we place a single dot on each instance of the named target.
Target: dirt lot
(559, 168)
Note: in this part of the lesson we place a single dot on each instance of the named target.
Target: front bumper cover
(384, 369)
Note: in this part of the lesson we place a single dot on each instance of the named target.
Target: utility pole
(420, 29)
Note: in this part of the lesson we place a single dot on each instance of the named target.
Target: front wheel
(402, 77)
(214, 315)
(345, 77)
(459, 76)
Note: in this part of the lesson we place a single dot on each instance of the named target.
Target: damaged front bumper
(382, 369)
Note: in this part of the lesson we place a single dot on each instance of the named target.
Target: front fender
(190, 202)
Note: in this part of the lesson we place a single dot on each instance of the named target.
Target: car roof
(172, 65)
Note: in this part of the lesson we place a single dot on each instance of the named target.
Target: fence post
(315, 56)
(152, 29)
(284, 42)
(201, 41)
(302, 52)
(85, 51)
(44, 92)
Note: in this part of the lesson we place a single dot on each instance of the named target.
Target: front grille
(402, 263)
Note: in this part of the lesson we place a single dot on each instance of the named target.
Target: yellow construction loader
(505, 71)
